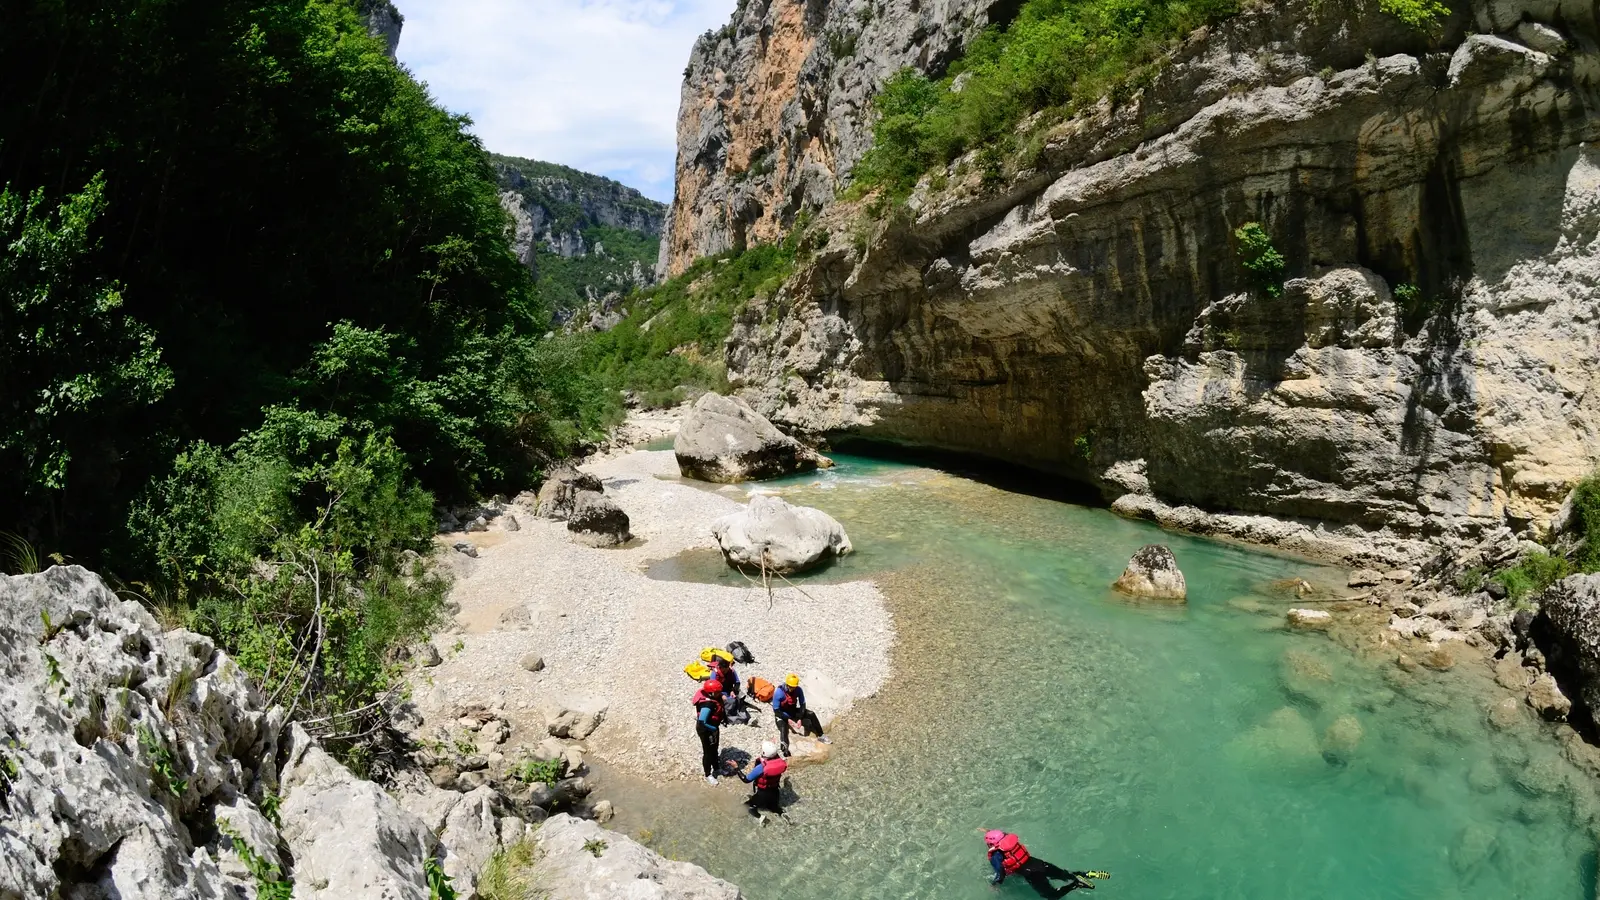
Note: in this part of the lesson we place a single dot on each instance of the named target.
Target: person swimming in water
(1008, 856)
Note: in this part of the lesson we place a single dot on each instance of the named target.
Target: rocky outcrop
(723, 440)
(777, 109)
(1153, 573)
(383, 21)
(135, 762)
(1567, 630)
(1427, 374)
(581, 859)
(770, 535)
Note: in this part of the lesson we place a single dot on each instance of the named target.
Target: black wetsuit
(708, 723)
(1038, 874)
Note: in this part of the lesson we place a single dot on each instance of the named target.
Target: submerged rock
(1343, 738)
(1153, 572)
(723, 440)
(1310, 619)
(771, 534)
(1285, 739)
(597, 521)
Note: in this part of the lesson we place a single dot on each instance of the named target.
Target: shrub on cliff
(1056, 54)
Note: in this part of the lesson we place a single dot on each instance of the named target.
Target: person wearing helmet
(721, 665)
(789, 706)
(709, 715)
(1007, 856)
(766, 777)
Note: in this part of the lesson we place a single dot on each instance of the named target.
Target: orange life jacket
(771, 771)
(1013, 854)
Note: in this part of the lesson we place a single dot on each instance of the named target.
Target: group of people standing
(719, 702)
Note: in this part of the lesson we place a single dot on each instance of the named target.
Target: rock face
(616, 867)
(383, 21)
(723, 440)
(135, 751)
(780, 538)
(1567, 629)
(598, 521)
(777, 105)
(1153, 572)
(1426, 374)
(562, 215)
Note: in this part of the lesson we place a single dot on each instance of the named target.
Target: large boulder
(1567, 629)
(1153, 573)
(597, 521)
(770, 534)
(579, 859)
(558, 496)
(725, 441)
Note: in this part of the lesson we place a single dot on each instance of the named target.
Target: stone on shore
(1545, 696)
(581, 859)
(558, 496)
(573, 719)
(1153, 573)
(723, 440)
(771, 534)
(597, 521)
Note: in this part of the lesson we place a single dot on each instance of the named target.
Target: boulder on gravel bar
(580, 859)
(725, 441)
(558, 496)
(598, 521)
(772, 535)
(575, 720)
(1153, 573)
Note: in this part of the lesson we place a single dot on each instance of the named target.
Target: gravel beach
(610, 636)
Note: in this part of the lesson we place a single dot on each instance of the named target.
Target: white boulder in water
(771, 534)
(1153, 572)
(1310, 619)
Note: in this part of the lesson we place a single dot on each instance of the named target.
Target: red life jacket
(790, 702)
(771, 771)
(1013, 854)
(701, 698)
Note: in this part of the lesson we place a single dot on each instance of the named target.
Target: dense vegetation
(608, 218)
(1580, 551)
(1054, 59)
(258, 314)
(671, 336)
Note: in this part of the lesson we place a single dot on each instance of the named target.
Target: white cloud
(591, 84)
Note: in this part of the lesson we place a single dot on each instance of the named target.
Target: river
(1193, 752)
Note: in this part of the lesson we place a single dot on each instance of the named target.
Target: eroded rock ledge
(1428, 375)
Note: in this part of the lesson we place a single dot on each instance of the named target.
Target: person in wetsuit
(789, 705)
(767, 777)
(709, 715)
(1007, 856)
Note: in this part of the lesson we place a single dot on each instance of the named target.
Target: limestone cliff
(1429, 373)
(383, 21)
(590, 240)
(776, 108)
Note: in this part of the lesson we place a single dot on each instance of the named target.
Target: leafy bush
(1423, 15)
(1058, 55)
(672, 335)
(1532, 575)
(1262, 261)
(1585, 523)
(539, 771)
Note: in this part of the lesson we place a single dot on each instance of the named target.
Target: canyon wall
(777, 105)
(1426, 375)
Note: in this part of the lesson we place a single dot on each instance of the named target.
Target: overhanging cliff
(1427, 374)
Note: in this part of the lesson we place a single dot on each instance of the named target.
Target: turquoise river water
(1194, 752)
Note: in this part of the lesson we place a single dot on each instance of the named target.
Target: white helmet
(769, 750)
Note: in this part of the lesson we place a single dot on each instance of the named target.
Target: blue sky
(591, 84)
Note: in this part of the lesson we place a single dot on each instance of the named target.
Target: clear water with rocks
(1195, 752)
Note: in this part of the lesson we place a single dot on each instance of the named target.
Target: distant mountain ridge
(590, 240)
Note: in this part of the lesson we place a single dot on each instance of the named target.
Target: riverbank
(610, 638)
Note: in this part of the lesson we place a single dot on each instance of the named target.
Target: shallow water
(1194, 752)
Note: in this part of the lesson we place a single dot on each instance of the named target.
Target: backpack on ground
(761, 689)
